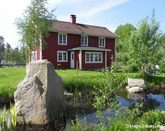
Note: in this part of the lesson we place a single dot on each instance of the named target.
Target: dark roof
(61, 26)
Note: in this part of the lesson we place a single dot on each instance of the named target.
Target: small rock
(127, 87)
(135, 89)
(68, 95)
(136, 82)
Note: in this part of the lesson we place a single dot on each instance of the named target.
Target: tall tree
(2, 48)
(7, 53)
(16, 58)
(162, 39)
(145, 43)
(35, 23)
(23, 54)
(123, 51)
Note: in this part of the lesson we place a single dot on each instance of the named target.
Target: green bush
(129, 120)
(154, 117)
(119, 67)
(154, 80)
(105, 93)
(78, 126)
(162, 67)
(78, 84)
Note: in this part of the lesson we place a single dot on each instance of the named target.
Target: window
(84, 40)
(34, 55)
(101, 42)
(62, 56)
(93, 57)
(62, 39)
(87, 57)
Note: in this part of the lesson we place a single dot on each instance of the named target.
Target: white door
(72, 57)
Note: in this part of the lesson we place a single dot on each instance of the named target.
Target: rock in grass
(135, 85)
(136, 82)
(135, 89)
(39, 98)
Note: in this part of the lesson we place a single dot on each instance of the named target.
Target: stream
(156, 100)
(88, 115)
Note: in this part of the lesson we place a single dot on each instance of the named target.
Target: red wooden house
(74, 45)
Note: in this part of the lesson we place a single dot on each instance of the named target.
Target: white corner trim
(105, 59)
(80, 66)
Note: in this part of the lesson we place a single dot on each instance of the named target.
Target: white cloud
(101, 6)
(86, 10)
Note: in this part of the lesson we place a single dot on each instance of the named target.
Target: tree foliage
(141, 46)
(35, 23)
(162, 40)
(145, 42)
(2, 48)
(123, 32)
(123, 48)
(14, 55)
(9, 55)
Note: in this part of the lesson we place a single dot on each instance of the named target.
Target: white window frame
(62, 43)
(83, 43)
(62, 56)
(100, 42)
(95, 55)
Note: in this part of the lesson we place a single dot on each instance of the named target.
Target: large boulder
(39, 98)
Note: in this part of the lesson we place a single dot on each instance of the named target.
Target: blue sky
(108, 13)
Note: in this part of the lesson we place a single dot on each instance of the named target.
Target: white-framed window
(62, 39)
(34, 55)
(84, 40)
(62, 56)
(93, 57)
(101, 42)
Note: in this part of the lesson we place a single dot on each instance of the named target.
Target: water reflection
(157, 101)
(136, 96)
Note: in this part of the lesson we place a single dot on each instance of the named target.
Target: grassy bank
(79, 81)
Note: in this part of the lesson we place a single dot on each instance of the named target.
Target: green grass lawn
(10, 77)
(71, 74)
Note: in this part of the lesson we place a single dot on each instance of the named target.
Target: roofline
(89, 48)
(112, 33)
(81, 24)
(81, 34)
(87, 25)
